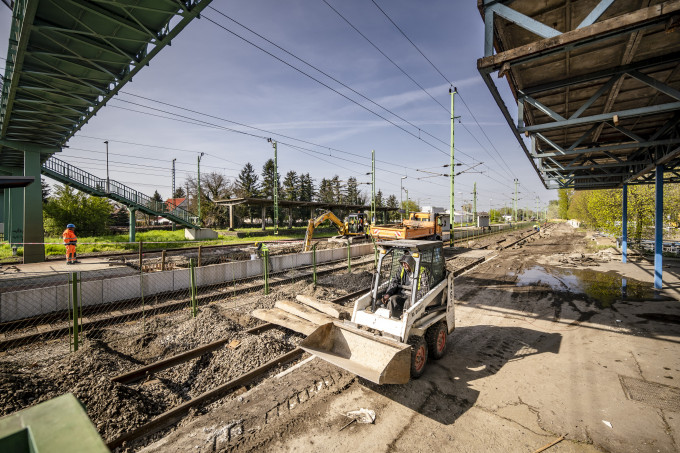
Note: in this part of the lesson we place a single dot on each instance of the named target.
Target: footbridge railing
(86, 182)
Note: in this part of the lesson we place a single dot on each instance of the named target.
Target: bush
(91, 215)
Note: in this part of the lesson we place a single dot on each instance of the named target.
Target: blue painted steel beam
(624, 225)
(649, 110)
(595, 13)
(658, 229)
(631, 145)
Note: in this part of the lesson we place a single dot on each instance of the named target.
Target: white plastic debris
(362, 415)
(607, 423)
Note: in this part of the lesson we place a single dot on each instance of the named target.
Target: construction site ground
(546, 346)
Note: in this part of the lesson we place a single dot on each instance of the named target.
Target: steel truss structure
(67, 58)
(597, 86)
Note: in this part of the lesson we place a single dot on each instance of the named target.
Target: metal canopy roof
(597, 86)
(67, 58)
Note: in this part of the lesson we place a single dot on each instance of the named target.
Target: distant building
(173, 203)
(483, 219)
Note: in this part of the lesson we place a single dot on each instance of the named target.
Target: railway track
(176, 413)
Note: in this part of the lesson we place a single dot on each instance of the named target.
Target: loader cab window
(425, 281)
(437, 265)
(390, 267)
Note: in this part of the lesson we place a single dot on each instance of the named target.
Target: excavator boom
(313, 223)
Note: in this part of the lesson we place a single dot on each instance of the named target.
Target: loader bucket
(362, 353)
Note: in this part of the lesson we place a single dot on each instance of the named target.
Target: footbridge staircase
(73, 176)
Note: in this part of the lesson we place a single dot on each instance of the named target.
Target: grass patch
(152, 240)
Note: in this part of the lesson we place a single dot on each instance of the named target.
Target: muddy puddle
(605, 288)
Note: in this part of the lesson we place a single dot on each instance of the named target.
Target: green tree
(393, 202)
(270, 179)
(379, 202)
(179, 193)
(157, 197)
(326, 192)
(291, 186)
(307, 190)
(352, 191)
(247, 182)
(91, 215)
(338, 189)
(564, 196)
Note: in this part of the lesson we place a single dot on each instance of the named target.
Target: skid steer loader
(386, 349)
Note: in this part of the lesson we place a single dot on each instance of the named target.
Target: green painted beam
(29, 147)
(34, 233)
(55, 426)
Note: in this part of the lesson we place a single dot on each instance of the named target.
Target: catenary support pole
(658, 229)
(172, 195)
(624, 225)
(373, 219)
(452, 93)
(34, 232)
(474, 203)
(276, 188)
(199, 189)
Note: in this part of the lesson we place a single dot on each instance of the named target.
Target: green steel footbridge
(65, 60)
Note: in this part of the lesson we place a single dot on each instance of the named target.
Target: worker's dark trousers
(396, 305)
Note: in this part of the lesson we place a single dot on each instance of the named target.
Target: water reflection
(603, 287)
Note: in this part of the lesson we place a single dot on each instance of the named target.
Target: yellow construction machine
(386, 347)
(355, 226)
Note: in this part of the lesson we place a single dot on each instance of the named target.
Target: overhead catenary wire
(332, 89)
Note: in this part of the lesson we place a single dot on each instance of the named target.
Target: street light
(108, 190)
(401, 196)
(490, 199)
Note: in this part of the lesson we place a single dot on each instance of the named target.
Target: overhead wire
(329, 87)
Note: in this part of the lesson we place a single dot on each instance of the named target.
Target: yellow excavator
(354, 226)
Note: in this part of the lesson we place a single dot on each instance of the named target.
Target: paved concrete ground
(527, 364)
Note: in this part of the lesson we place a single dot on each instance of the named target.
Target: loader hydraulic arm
(314, 223)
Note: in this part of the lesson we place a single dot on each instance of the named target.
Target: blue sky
(211, 71)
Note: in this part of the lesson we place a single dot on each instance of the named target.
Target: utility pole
(372, 187)
(401, 197)
(474, 203)
(199, 190)
(452, 93)
(108, 186)
(514, 206)
(276, 187)
(407, 207)
(172, 195)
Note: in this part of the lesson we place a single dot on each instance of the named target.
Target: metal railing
(73, 176)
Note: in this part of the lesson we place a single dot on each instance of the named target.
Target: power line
(385, 55)
(414, 45)
(328, 86)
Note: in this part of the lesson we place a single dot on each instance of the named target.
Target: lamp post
(490, 200)
(199, 189)
(108, 190)
(407, 207)
(401, 196)
(276, 187)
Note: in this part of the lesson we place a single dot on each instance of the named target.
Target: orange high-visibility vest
(69, 237)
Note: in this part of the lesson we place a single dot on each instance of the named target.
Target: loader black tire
(436, 340)
(418, 355)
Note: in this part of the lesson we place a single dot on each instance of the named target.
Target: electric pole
(199, 189)
(514, 207)
(172, 195)
(372, 187)
(474, 203)
(452, 93)
(276, 187)
(401, 198)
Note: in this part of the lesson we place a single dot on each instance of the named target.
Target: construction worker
(70, 241)
(394, 298)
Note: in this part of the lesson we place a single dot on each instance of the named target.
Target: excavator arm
(314, 223)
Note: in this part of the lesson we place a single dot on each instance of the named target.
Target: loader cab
(429, 269)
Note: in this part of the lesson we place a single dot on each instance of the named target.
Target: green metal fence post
(194, 303)
(349, 257)
(265, 266)
(375, 253)
(75, 310)
(314, 264)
